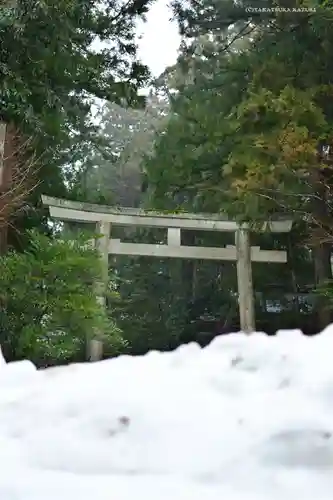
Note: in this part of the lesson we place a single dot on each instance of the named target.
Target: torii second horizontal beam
(116, 247)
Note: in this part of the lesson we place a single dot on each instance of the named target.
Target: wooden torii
(106, 216)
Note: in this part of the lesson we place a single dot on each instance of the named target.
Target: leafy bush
(323, 297)
(48, 304)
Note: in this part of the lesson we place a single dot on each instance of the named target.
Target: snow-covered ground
(246, 418)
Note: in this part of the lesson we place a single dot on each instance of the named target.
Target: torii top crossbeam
(89, 212)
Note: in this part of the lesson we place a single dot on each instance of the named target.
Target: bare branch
(18, 169)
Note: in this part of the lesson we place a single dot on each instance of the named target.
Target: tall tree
(113, 173)
(246, 136)
(50, 72)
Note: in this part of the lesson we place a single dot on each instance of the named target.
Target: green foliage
(247, 126)
(47, 85)
(52, 68)
(152, 306)
(113, 173)
(244, 134)
(252, 106)
(326, 291)
(162, 300)
(48, 302)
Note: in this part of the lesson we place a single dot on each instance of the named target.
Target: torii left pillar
(95, 342)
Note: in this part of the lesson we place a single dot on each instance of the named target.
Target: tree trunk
(3, 130)
(322, 249)
(323, 273)
(10, 156)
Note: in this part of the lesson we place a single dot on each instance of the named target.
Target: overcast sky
(158, 46)
(160, 41)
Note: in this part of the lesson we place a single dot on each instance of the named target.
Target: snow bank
(246, 418)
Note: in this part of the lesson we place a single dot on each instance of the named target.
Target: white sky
(158, 43)
(160, 38)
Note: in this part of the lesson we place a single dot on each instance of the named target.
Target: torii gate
(106, 216)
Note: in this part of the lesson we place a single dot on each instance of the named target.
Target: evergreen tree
(51, 70)
(247, 130)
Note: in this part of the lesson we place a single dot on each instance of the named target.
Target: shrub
(48, 304)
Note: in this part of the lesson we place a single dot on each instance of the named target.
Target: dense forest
(241, 125)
